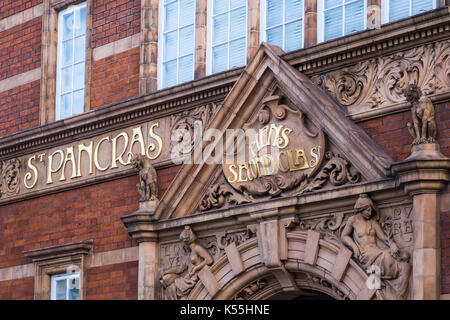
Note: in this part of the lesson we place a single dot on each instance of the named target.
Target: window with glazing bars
(177, 41)
(282, 23)
(399, 9)
(70, 75)
(227, 35)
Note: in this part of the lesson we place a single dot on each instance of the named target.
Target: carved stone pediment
(310, 144)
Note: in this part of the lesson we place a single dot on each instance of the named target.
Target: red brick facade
(10, 7)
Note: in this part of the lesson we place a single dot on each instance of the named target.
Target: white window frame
(59, 58)
(209, 18)
(65, 276)
(385, 10)
(321, 20)
(263, 27)
(161, 24)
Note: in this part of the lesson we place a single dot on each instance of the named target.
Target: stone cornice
(58, 251)
(395, 36)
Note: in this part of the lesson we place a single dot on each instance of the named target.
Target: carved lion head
(412, 93)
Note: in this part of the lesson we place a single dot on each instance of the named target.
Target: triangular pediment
(318, 145)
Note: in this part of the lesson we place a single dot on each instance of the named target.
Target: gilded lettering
(50, 165)
(69, 157)
(88, 150)
(119, 157)
(152, 147)
(233, 168)
(29, 175)
(96, 162)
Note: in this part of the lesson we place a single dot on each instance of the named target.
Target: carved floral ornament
(286, 156)
(9, 177)
(380, 82)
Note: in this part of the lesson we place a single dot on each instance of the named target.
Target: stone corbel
(423, 176)
(272, 243)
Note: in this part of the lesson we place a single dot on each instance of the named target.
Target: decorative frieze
(9, 177)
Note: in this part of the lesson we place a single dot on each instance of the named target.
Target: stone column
(148, 69)
(140, 226)
(253, 28)
(423, 178)
(310, 23)
(200, 39)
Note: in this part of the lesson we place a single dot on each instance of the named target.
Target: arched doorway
(258, 282)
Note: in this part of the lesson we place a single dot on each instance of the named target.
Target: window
(227, 35)
(337, 18)
(282, 23)
(176, 46)
(65, 286)
(71, 61)
(399, 9)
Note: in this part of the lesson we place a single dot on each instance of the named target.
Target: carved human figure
(423, 129)
(361, 233)
(175, 283)
(147, 185)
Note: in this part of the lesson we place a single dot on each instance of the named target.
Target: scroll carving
(217, 246)
(179, 281)
(186, 127)
(336, 171)
(9, 177)
(220, 194)
(325, 283)
(380, 82)
(251, 290)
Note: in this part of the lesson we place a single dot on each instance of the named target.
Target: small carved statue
(423, 129)
(363, 233)
(147, 185)
(176, 285)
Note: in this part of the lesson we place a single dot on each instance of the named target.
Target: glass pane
(186, 72)
(354, 17)
(333, 3)
(170, 73)
(420, 6)
(187, 12)
(65, 106)
(80, 49)
(220, 29)
(78, 76)
(237, 3)
(220, 6)
(61, 287)
(171, 16)
(275, 36)
(67, 26)
(78, 102)
(293, 36)
(170, 45)
(398, 9)
(333, 23)
(73, 294)
(238, 23)
(186, 41)
(294, 10)
(80, 22)
(274, 15)
(66, 79)
(219, 58)
(237, 53)
(67, 53)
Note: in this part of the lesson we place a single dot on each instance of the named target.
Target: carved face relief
(281, 150)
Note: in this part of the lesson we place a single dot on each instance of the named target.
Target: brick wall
(19, 108)
(10, 7)
(114, 19)
(20, 48)
(115, 78)
(20, 289)
(118, 281)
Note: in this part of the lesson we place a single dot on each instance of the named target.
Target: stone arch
(332, 272)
